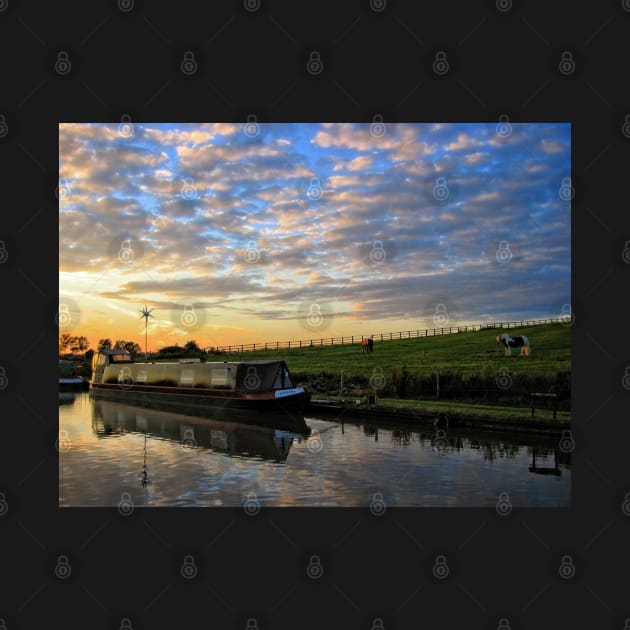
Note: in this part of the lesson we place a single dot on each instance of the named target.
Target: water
(112, 452)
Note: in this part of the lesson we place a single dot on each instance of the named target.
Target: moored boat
(68, 377)
(249, 385)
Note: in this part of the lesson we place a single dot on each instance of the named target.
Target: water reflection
(490, 445)
(112, 419)
(66, 398)
(547, 470)
(171, 458)
(145, 478)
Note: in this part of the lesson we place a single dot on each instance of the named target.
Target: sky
(243, 233)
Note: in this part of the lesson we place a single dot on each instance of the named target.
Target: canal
(119, 455)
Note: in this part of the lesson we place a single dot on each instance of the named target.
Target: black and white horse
(521, 342)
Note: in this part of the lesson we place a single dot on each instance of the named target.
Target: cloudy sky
(240, 233)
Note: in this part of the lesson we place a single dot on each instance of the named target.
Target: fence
(403, 334)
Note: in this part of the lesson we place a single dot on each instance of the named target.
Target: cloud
(196, 197)
(552, 146)
(476, 158)
(358, 164)
(464, 141)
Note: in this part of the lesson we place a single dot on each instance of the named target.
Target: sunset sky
(237, 233)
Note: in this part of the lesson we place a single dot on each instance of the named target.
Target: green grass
(470, 353)
(494, 412)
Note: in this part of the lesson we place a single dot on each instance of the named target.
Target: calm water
(110, 452)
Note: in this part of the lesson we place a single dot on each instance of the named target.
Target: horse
(521, 342)
(367, 346)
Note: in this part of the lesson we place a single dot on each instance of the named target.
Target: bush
(477, 388)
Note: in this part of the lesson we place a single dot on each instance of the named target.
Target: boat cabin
(116, 367)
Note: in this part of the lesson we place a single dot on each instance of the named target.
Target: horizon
(238, 234)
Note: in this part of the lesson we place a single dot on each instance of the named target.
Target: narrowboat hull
(292, 399)
(69, 384)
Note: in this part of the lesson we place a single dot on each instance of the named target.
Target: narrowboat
(246, 385)
(68, 377)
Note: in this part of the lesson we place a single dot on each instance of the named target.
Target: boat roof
(261, 362)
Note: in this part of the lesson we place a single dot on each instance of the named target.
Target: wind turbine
(146, 313)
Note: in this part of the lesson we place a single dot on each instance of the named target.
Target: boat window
(278, 384)
(287, 378)
(186, 378)
(219, 376)
(119, 358)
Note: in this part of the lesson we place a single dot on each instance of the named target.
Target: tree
(192, 347)
(104, 344)
(74, 343)
(79, 344)
(65, 339)
(132, 347)
(170, 350)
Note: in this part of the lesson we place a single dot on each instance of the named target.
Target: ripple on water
(338, 465)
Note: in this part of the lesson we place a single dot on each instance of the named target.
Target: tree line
(79, 344)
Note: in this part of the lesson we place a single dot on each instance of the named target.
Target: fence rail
(402, 334)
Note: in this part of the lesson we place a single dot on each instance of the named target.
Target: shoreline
(468, 418)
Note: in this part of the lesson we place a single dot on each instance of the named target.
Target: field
(468, 353)
(467, 366)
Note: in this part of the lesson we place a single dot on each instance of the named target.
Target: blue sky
(255, 227)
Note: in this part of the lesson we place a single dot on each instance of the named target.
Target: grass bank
(466, 367)
(416, 414)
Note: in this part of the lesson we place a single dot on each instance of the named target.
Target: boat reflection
(66, 398)
(230, 437)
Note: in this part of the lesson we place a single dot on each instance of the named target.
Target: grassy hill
(469, 353)
(471, 366)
